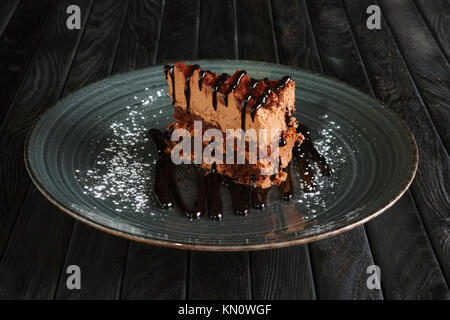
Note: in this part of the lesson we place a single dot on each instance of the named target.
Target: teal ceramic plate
(90, 156)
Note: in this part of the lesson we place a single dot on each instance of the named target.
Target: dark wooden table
(405, 64)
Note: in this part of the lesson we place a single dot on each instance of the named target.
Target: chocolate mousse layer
(236, 102)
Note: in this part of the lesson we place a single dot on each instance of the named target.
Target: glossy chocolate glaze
(282, 141)
(261, 100)
(216, 87)
(169, 69)
(208, 198)
(246, 100)
(166, 187)
(187, 88)
(236, 81)
(201, 77)
(239, 197)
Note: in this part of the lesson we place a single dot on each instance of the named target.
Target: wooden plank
(22, 273)
(339, 56)
(7, 9)
(424, 59)
(437, 17)
(409, 269)
(33, 258)
(140, 36)
(255, 33)
(18, 43)
(295, 36)
(95, 56)
(283, 273)
(219, 275)
(179, 31)
(42, 86)
(100, 256)
(393, 86)
(217, 37)
(154, 272)
(340, 263)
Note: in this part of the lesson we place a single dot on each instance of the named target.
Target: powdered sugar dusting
(123, 168)
(325, 141)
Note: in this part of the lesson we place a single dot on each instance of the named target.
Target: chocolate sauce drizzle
(208, 198)
(201, 77)
(216, 86)
(187, 88)
(260, 102)
(235, 83)
(169, 69)
(282, 141)
(247, 98)
(305, 154)
(166, 187)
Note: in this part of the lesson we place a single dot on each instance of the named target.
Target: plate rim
(208, 247)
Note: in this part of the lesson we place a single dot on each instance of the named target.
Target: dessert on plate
(238, 102)
(256, 135)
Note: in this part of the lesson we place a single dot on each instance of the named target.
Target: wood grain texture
(218, 275)
(7, 9)
(100, 256)
(32, 261)
(95, 56)
(217, 30)
(18, 43)
(340, 262)
(155, 273)
(424, 59)
(282, 274)
(90, 64)
(338, 53)
(437, 17)
(151, 272)
(179, 31)
(393, 85)
(402, 248)
(255, 33)
(42, 86)
(409, 269)
(140, 36)
(295, 36)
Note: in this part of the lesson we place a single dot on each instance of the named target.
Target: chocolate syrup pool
(208, 199)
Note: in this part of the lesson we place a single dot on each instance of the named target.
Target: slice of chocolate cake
(264, 109)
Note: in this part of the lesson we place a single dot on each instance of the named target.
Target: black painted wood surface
(407, 68)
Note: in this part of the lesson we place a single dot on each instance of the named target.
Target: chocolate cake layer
(236, 102)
